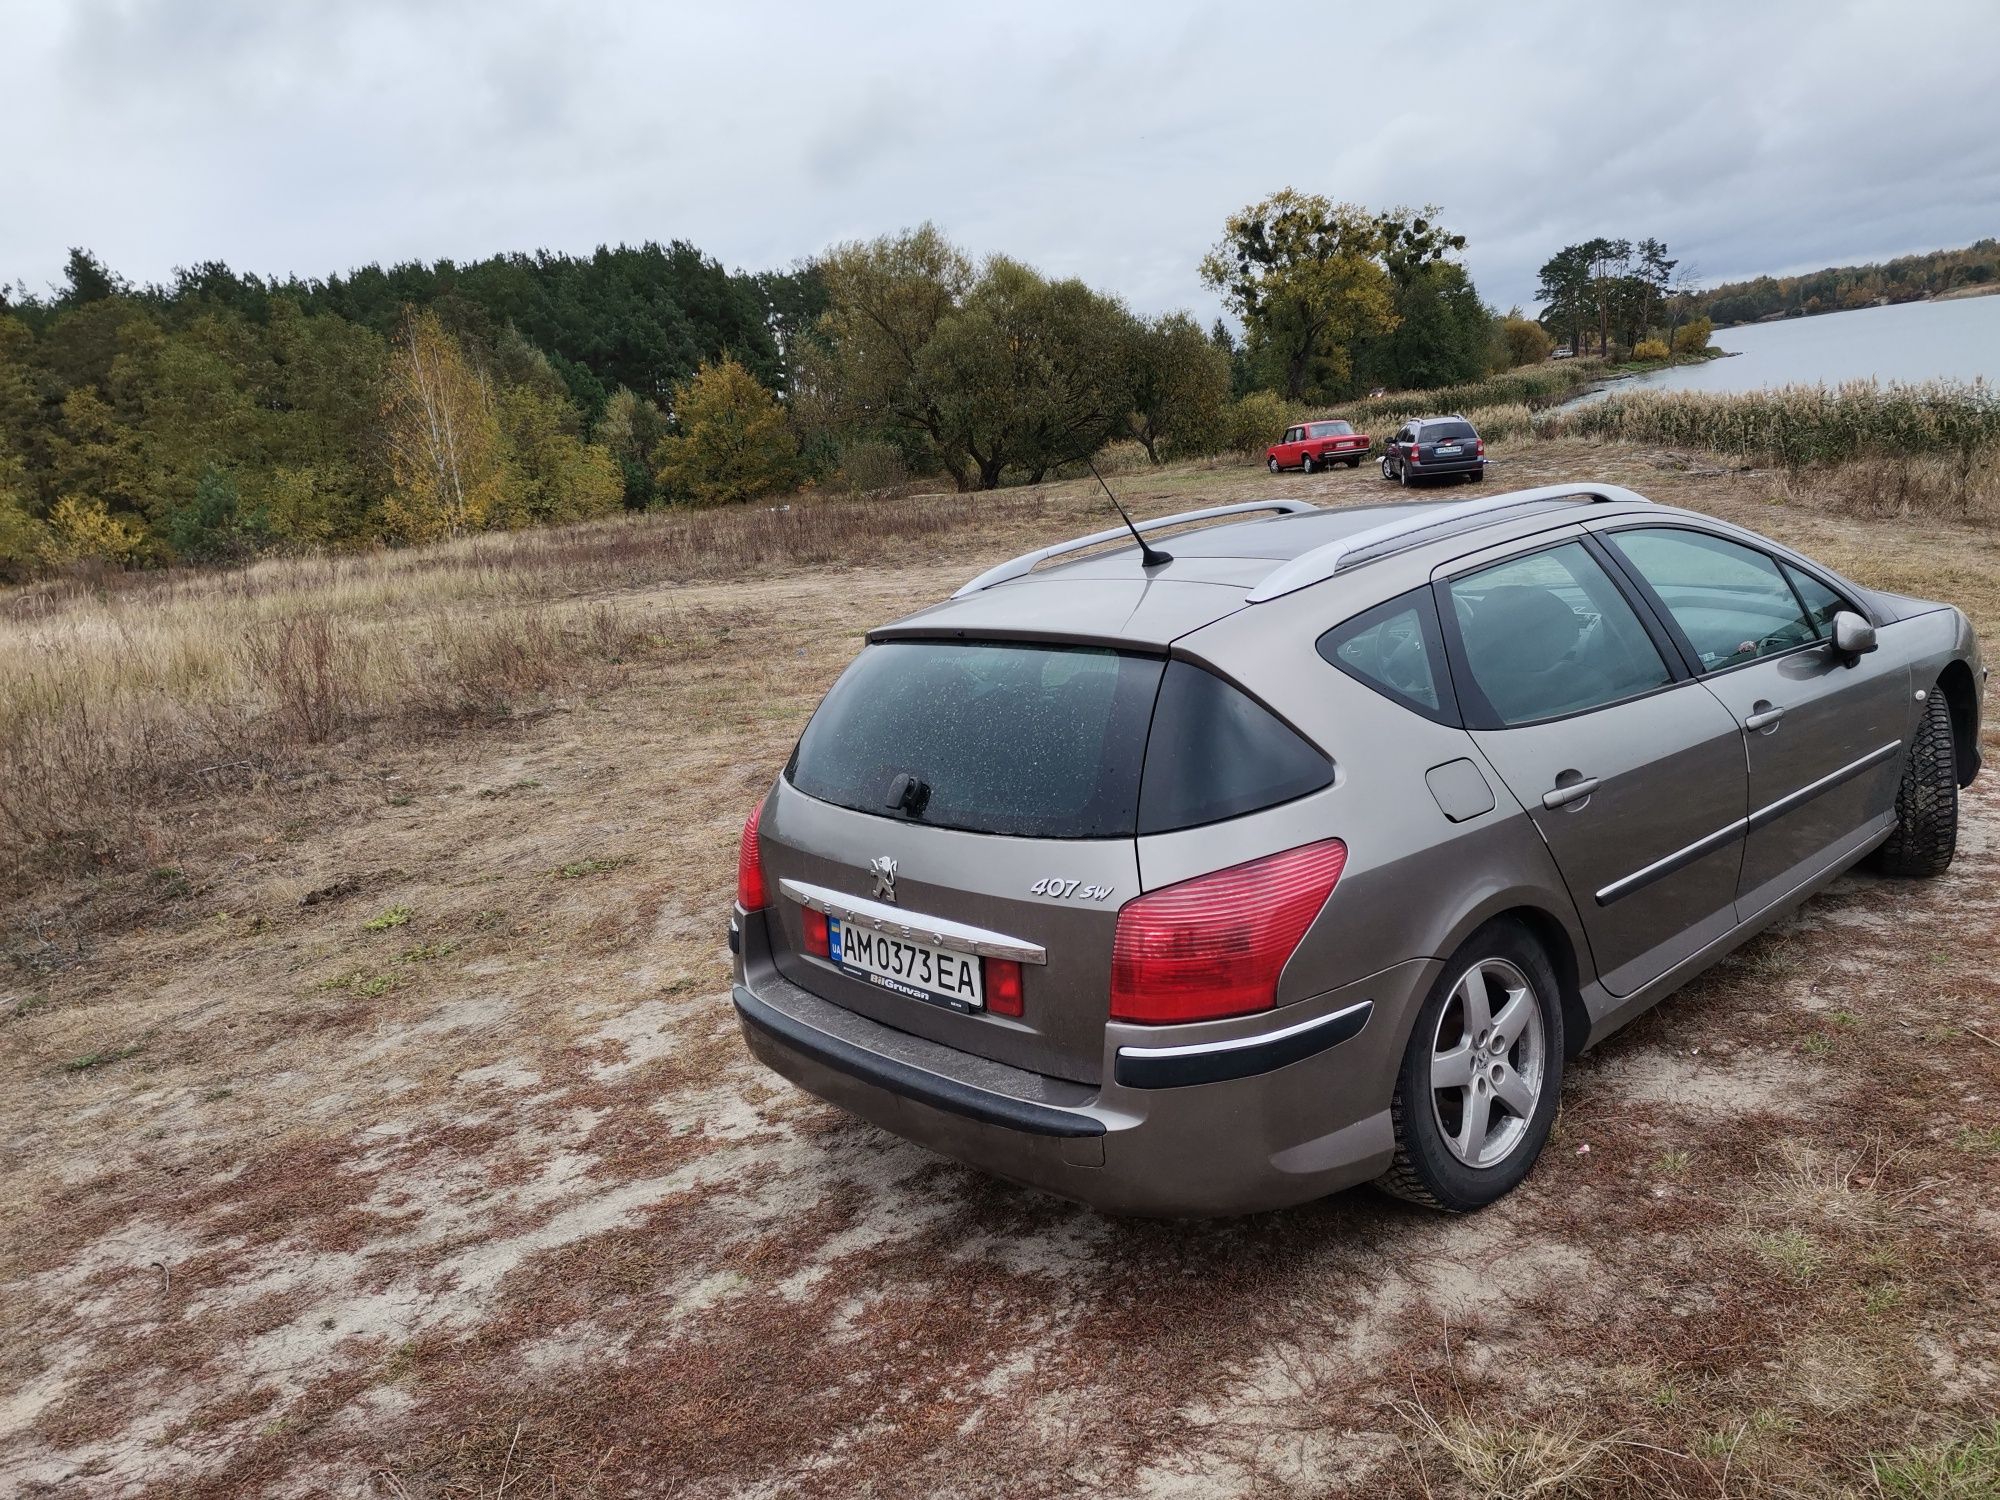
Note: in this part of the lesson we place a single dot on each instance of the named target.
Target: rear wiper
(909, 794)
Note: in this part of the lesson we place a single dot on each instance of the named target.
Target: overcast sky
(1099, 140)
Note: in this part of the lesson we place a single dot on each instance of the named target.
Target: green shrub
(1691, 339)
(729, 442)
(1256, 421)
(869, 464)
(1523, 341)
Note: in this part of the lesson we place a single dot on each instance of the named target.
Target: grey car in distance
(1444, 449)
(1308, 854)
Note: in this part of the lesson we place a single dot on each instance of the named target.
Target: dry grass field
(378, 1126)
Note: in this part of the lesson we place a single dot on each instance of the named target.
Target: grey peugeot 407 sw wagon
(1307, 854)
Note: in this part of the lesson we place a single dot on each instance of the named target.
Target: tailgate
(972, 884)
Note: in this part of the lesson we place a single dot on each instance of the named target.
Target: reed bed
(1798, 425)
(1534, 387)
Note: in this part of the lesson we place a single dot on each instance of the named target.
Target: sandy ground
(492, 1201)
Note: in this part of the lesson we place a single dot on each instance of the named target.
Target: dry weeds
(490, 1196)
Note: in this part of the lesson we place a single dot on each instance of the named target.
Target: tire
(1307, 466)
(1386, 475)
(1926, 832)
(1475, 476)
(1404, 474)
(1354, 463)
(1271, 464)
(1440, 1160)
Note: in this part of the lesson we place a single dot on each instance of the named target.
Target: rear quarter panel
(1416, 884)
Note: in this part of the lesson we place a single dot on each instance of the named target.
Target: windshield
(1448, 432)
(1330, 429)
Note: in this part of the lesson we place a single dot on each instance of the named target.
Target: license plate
(939, 976)
(1447, 450)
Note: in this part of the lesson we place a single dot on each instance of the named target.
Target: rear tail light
(750, 892)
(1003, 986)
(816, 943)
(1415, 456)
(1214, 946)
(1479, 447)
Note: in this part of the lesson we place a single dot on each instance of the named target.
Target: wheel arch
(1555, 941)
(1558, 938)
(1961, 696)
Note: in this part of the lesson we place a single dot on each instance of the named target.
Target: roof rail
(1027, 561)
(1322, 563)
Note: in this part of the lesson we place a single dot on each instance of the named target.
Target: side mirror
(1852, 635)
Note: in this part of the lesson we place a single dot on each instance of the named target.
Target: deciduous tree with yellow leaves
(1308, 279)
(442, 431)
(729, 440)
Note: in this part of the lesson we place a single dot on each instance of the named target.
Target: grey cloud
(1102, 141)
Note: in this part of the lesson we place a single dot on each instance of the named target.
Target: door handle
(1764, 715)
(1574, 791)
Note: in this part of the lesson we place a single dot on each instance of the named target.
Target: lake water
(1957, 339)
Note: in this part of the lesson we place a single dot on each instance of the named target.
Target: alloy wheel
(1489, 1058)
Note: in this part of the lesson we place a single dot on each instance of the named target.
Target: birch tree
(446, 461)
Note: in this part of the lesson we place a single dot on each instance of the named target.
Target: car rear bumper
(1447, 466)
(1291, 1107)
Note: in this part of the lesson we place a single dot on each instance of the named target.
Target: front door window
(1731, 602)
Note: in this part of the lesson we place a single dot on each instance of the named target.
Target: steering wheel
(1399, 660)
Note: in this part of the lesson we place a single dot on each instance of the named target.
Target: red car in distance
(1317, 445)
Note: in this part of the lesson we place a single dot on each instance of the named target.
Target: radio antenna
(1149, 555)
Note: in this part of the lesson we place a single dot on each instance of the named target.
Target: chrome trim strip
(939, 932)
(1242, 1043)
(1321, 563)
(1826, 783)
(1016, 567)
(1242, 1057)
(1659, 869)
(1764, 816)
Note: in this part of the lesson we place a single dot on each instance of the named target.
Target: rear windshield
(1040, 741)
(1045, 742)
(1329, 429)
(1447, 432)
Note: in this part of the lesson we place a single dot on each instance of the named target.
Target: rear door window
(1732, 602)
(1547, 635)
(1030, 740)
(1217, 753)
(1395, 648)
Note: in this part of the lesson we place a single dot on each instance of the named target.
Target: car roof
(1108, 597)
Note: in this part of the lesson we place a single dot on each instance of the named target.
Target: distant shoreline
(1954, 294)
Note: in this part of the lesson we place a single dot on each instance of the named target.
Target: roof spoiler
(1017, 567)
(1322, 563)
